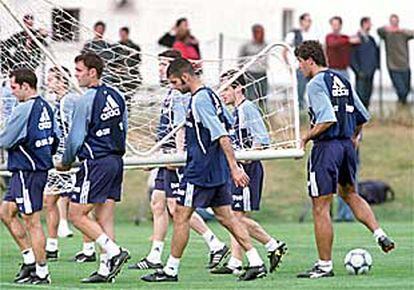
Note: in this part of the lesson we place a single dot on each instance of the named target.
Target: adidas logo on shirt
(45, 122)
(338, 88)
(110, 110)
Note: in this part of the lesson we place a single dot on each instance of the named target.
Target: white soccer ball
(358, 262)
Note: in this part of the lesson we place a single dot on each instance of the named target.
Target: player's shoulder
(22, 106)
(248, 105)
(317, 82)
(202, 96)
(71, 97)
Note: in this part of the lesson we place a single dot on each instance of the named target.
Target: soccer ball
(358, 262)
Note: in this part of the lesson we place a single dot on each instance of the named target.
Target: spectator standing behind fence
(365, 61)
(128, 59)
(256, 73)
(398, 63)
(294, 38)
(187, 43)
(20, 50)
(338, 47)
(97, 44)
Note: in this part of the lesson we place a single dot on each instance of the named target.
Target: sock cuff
(324, 263)
(208, 234)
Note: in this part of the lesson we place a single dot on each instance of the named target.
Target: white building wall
(149, 19)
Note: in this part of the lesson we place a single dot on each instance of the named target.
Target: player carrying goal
(97, 137)
(30, 139)
(248, 131)
(173, 113)
(59, 185)
(206, 173)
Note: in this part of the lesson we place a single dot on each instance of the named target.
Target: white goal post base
(131, 163)
(178, 159)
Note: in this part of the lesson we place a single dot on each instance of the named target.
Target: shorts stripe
(26, 197)
(313, 184)
(188, 199)
(314, 191)
(247, 205)
(85, 185)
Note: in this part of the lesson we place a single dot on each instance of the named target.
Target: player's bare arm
(239, 176)
(314, 132)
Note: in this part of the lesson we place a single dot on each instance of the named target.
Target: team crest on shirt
(45, 121)
(111, 109)
(338, 88)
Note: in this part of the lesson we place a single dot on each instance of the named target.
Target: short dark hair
(363, 20)
(311, 49)
(125, 28)
(24, 75)
(257, 26)
(336, 18)
(91, 60)
(179, 66)
(170, 53)
(99, 23)
(63, 77)
(180, 20)
(239, 81)
(303, 16)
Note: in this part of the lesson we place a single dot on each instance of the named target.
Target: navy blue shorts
(26, 190)
(194, 196)
(159, 179)
(172, 180)
(331, 162)
(168, 181)
(99, 180)
(248, 198)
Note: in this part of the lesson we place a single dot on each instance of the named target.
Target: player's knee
(227, 220)
(50, 204)
(74, 216)
(5, 215)
(181, 218)
(157, 207)
(320, 209)
(30, 222)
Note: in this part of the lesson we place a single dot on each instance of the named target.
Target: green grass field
(395, 270)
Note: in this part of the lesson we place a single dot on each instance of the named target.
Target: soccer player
(173, 113)
(248, 131)
(30, 139)
(97, 137)
(59, 185)
(337, 116)
(204, 184)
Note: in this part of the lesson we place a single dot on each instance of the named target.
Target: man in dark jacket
(365, 61)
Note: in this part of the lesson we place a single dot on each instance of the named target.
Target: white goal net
(55, 38)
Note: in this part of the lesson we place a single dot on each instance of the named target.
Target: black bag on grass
(375, 191)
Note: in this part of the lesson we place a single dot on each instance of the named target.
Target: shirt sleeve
(362, 114)
(409, 33)
(381, 32)
(290, 38)
(255, 125)
(320, 103)
(70, 101)
(205, 112)
(125, 121)
(79, 127)
(16, 126)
